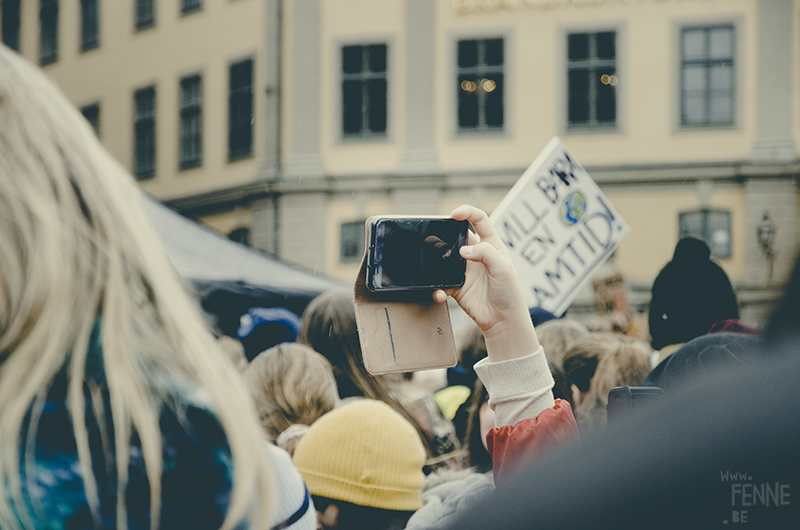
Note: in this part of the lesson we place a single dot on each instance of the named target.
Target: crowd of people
(119, 408)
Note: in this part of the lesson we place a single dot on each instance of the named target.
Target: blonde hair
(76, 248)
(290, 384)
(618, 360)
(557, 336)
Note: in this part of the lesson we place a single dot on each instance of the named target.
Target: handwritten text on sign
(558, 227)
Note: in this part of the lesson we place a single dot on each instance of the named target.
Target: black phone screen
(417, 254)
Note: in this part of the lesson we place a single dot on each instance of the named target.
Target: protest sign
(558, 227)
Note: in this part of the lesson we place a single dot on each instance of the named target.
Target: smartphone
(413, 253)
(624, 400)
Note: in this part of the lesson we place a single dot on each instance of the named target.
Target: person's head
(689, 295)
(362, 461)
(559, 335)
(233, 350)
(598, 363)
(329, 327)
(77, 253)
(290, 384)
(261, 328)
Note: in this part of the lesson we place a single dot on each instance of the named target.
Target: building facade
(684, 111)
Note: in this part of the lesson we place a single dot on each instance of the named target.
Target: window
(364, 90)
(191, 140)
(145, 16)
(92, 115)
(89, 25)
(240, 110)
(189, 6)
(480, 85)
(9, 13)
(352, 242)
(48, 35)
(712, 226)
(144, 126)
(591, 79)
(707, 76)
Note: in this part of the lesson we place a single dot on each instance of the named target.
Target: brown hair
(329, 327)
(599, 363)
(290, 384)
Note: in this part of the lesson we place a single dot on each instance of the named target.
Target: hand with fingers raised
(492, 294)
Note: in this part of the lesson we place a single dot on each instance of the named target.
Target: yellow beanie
(364, 453)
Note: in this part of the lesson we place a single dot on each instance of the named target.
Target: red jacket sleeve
(512, 446)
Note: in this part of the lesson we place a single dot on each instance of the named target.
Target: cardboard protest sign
(558, 227)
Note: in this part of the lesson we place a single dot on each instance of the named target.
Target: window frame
(707, 63)
(48, 31)
(241, 153)
(90, 25)
(592, 64)
(365, 134)
(705, 214)
(358, 227)
(457, 72)
(145, 120)
(190, 110)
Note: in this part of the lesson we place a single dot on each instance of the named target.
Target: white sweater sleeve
(519, 389)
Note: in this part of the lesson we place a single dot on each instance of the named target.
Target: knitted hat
(690, 294)
(364, 453)
(293, 508)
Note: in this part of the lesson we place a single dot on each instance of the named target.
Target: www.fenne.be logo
(749, 497)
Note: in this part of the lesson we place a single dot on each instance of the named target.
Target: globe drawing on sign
(573, 208)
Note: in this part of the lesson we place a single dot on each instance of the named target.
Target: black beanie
(690, 294)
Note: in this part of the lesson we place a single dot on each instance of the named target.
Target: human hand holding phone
(492, 294)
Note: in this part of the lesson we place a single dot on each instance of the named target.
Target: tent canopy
(228, 277)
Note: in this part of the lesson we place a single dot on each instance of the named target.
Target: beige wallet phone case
(401, 331)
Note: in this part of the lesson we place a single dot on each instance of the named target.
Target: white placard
(558, 226)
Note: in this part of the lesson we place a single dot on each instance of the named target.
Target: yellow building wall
(356, 22)
(652, 213)
(204, 42)
(647, 129)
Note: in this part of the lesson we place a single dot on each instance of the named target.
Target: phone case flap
(402, 331)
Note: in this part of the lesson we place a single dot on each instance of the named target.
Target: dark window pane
(352, 59)
(377, 58)
(606, 103)
(578, 105)
(10, 15)
(240, 110)
(605, 45)
(48, 36)
(92, 115)
(467, 53)
(188, 6)
(145, 14)
(494, 52)
(467, 104)
(377, 105)
(89, 24)
(352, 105)
(144, 150)
(578, 46)
(352, 241)
(494, 103)
(191, 134)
